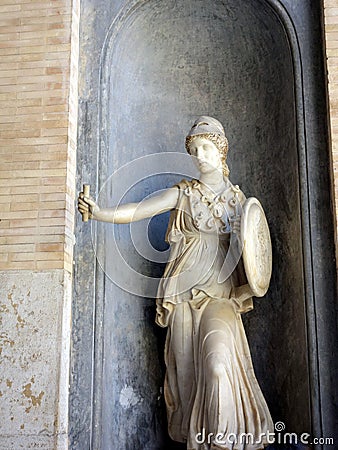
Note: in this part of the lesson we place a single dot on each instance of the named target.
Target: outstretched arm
(130, 212)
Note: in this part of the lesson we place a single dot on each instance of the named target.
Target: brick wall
(37, 133)
(331, 36)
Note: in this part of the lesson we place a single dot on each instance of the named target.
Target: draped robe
(211, 392)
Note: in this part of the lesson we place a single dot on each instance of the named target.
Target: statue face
(207, 156)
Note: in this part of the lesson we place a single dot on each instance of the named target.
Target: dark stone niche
(148, 70)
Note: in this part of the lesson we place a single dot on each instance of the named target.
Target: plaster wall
(34, 344)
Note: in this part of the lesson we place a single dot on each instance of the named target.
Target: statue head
(210, 128)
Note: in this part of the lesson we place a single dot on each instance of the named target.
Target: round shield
(257, 253)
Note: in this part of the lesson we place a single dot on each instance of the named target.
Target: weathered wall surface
(38, 119)
(32, 393)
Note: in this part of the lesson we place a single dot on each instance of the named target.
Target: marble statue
(211, 392)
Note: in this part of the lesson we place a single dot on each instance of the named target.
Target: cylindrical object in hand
(86, 191)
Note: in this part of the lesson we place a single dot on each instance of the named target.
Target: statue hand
(87, 205)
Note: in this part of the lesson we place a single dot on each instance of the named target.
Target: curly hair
(221, 143)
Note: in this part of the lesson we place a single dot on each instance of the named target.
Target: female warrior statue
(212, 396)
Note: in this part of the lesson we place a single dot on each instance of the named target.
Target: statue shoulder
(183, 184)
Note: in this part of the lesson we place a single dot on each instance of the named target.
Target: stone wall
(34, 369)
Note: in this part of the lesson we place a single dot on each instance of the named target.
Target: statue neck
(213, 180)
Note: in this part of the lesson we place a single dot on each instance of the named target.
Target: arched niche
(163, 64)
